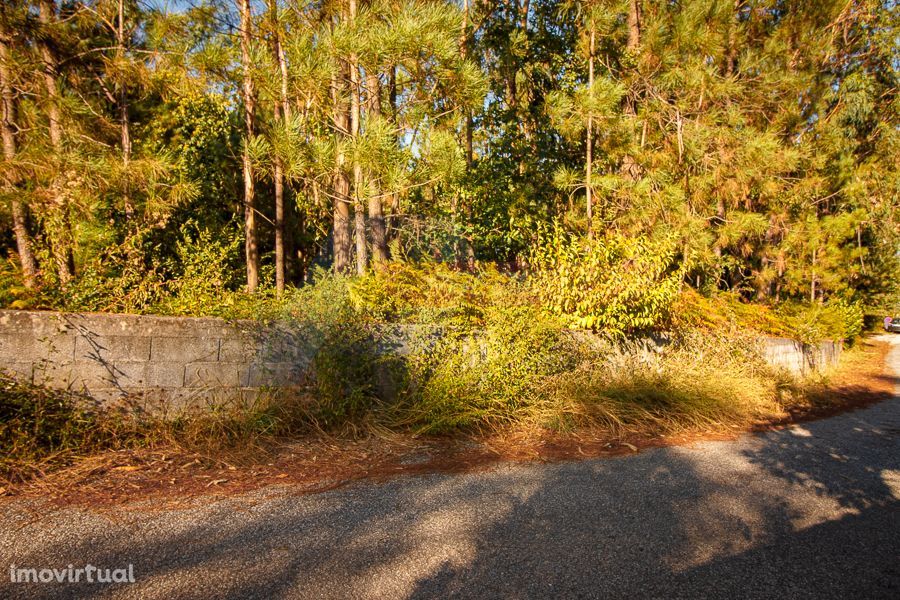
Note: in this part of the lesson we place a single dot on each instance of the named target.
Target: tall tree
(124, 123)
(248, 96)
(377, 225)
(359, 215)
(282, 111)
(60, 233)
(8, 129)
(341, 182)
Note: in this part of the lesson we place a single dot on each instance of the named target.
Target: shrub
(486, 378)
(208, 273)
(432, 293)
(812, 323)
(616, 284)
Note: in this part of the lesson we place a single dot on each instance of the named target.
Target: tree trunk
(630, 167)
(8, 126)
(634, 25)
(376, 210)
(282, 110)
(465, 252)
(59, 229)
(341, 197)
(251, 249)
(391, 222)
(123, 114)
(589, 159)
(359, 217)
(812, 277)
(731, 42)
(464, 52)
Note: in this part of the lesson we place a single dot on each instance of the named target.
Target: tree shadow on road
(803, 512)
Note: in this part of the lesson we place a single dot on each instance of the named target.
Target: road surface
(808, 512)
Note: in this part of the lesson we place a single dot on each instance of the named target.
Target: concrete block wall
(180, 361)
(800, 358)
(177, 362)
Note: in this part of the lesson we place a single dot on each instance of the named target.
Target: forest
(617, 158)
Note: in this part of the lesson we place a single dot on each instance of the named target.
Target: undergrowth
(520, 369)
(423, 350)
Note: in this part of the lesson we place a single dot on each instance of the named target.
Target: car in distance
(892, 324)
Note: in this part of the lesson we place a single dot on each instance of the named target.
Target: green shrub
(835, 320)
(486, 378)
(432, 293)
(207, 273)
(616, 284)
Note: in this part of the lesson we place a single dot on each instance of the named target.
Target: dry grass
(618, 409)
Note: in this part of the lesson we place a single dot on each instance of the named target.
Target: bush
(207, 273)
(616, 284)
(487, 378)
(812, 323)
(432, 293)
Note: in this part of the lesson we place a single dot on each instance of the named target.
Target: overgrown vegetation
(435, 351)
(496, 174)
(521, 371)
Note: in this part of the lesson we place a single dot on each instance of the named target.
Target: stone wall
(180, 361)
(167, 359)
(800, 358)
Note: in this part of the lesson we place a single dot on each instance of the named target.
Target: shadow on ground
(805, 512)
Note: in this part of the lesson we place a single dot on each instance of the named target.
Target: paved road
(810, 512)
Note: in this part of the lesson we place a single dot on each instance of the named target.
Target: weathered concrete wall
(801, 358)
(175, 362)
(166, 359)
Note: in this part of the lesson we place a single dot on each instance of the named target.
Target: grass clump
(42, 430)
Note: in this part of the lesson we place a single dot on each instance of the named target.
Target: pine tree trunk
(124, 124)
(60, 230)
(812, 276)
(589, 159)
(392, 221)
(341, 197)
(731, 42)
(465, 252)
(251, 249)
(282, 110)
(8, 127)
(376, 211)
(522, 117)
(359, 217)
(634, 25)
(630, 166)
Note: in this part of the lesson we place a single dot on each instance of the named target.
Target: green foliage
(118, 279)
(615, 283)
(837, 320)
(488, 378)
(208, 271)
(433, 293)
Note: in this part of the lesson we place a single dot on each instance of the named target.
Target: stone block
(215, 374)
(184, 349)
(163, 374)
(237, 349)
(23, 347)
(112, 348)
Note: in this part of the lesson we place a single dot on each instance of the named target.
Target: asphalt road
(809, 512)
